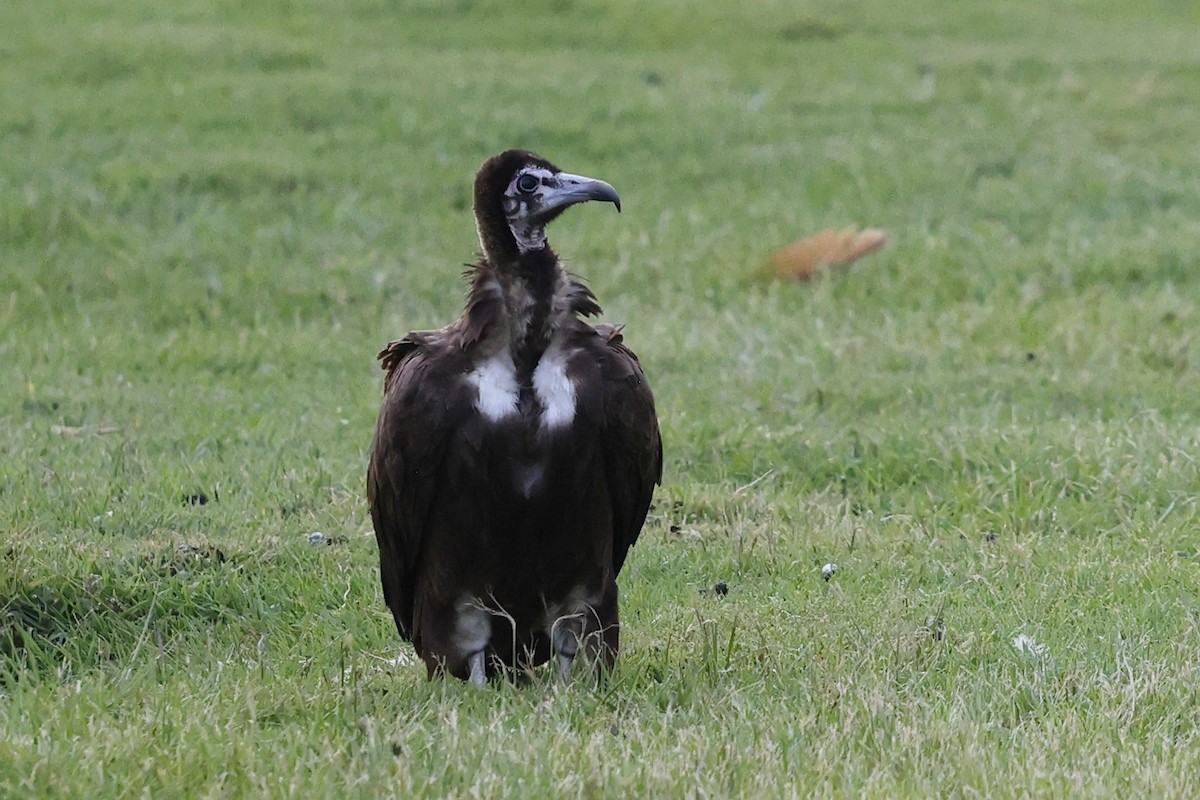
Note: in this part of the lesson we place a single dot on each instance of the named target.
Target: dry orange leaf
(801, 259)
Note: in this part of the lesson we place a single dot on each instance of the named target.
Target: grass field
(213, 214)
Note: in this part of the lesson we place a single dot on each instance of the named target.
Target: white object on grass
(1024, 643)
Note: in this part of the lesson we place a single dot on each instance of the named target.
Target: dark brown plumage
(516, 451)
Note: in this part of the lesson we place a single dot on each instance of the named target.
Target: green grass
(213, 214)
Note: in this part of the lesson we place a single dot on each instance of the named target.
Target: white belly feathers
(554, 389)
(496, 381)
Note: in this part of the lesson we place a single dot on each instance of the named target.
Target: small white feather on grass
(1024, 643)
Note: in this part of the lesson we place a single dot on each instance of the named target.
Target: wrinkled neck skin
(531, 289)
(532, 285)
(529, 236)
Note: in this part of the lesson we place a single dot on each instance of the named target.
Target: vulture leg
(478, 674)
(566, 634)
(592, 632)
(604, 634)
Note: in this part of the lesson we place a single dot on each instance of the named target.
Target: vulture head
(518, 193)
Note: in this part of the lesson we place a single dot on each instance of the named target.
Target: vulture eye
(527, 183)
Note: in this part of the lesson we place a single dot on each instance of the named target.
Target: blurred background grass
(213, 214)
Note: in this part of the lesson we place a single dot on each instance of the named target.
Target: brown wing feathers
(633, 446)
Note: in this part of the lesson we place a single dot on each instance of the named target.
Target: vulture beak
(568, 189)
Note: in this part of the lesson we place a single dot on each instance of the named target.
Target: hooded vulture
(516, 451)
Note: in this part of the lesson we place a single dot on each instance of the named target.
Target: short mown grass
(212, 215)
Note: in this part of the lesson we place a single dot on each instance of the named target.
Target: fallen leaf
(803, 258)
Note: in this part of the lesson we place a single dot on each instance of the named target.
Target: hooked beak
(570, 189)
